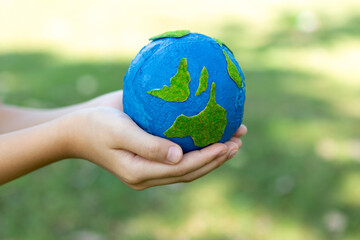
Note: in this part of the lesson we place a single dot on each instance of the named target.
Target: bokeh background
(298, 173)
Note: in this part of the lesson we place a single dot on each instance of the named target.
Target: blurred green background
(298, 173)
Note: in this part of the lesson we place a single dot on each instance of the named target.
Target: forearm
(15, 118)
(27, 150)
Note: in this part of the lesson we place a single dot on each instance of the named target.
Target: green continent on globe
(232, 70)
(179, 86)
(221, 43)
(203, 82)
(205, 128)
(174, 34)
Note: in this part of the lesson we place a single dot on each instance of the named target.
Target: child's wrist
(72, 135)
(67, 127)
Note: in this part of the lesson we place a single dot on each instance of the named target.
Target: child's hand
(99, 131)
(112, 99)
(110, 139)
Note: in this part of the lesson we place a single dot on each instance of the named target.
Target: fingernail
(174, 155)
(232, 154)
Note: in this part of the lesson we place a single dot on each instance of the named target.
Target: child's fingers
(191, 176)
(237, 141)
(146, 170)
(242, 130)
(217, 162)
(153, 148)
(234, 146)
(194, 161)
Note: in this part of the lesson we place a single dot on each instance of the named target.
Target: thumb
(151, 147)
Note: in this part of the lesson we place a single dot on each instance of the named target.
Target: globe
(186, 87)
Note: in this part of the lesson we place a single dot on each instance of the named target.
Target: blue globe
(186, 87)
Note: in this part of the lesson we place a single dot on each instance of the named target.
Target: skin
(100, 132)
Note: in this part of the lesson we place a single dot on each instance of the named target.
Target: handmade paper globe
(185, 87)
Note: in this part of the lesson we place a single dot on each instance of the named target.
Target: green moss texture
(174, 34)
(203, 82)
(221, 43)
(232, 70)
(205, 128)
(179, 86)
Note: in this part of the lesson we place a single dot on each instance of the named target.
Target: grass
(296, 176)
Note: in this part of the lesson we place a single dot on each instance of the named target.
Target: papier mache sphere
(186, 87)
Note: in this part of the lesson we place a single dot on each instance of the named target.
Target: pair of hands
(103, 134)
